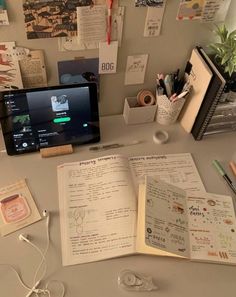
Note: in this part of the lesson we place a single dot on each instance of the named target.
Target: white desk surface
(175, 277)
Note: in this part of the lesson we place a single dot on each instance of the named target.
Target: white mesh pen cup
(167, 111)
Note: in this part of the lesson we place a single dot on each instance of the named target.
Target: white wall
(167, 52)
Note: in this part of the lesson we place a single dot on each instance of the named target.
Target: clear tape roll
(145, 98)
(160, 137)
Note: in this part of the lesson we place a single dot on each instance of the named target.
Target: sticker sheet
(17, 207)
(190, 9)
(212, 227)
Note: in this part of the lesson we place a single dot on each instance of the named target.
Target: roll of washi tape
(160, 137)
(145, 98)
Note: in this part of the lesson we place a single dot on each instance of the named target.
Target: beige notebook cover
(199, 77)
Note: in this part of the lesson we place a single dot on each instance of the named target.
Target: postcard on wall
(33, 70)
(47, 19)
(153, 21)
(78, 71)
(17, 207)
(10, 75)
(190, 9)
(135, 69)
(3, 13)
(108, 57)
(152, 3)
(215, 10)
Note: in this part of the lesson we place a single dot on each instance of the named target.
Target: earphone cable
(17, 274)
(43, 261)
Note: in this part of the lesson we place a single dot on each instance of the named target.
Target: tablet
(37, 118)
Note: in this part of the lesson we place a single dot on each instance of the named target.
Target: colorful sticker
(14, 209)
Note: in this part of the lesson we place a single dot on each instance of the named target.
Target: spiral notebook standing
(211, 99)
(199, 75)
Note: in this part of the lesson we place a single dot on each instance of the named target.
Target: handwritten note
(135, 69)
(91, 23)
(215, 10)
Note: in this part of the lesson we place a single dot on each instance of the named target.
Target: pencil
(221, 171)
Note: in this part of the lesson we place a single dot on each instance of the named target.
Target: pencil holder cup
(167, 111)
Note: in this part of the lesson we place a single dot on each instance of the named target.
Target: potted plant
(223, 54)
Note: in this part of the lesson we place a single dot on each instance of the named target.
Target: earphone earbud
(45, 213)
(24, 237)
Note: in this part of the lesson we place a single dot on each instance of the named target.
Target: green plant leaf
(231, 69)
(225, 58)
(225, 51)
(232, 34)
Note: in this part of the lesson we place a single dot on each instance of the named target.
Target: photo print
(47, 19)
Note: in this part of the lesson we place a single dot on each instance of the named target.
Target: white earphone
(45, 213)
(24, 237)
(42, 266)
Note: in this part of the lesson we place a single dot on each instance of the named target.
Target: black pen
(162, 84)
(224, 175)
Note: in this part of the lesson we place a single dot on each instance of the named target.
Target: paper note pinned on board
(153, 21)
(75, 43)
(108, 57)
(135, 69)
(91, 23)
(215, 10)
(33, 70)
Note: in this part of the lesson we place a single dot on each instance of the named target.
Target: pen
(175, 81)
(183, 94)
(162, 84)
(168, 84)
(112, 146)
(172, 97)
(160, 91)
(224, 175)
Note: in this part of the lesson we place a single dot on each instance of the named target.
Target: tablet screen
(44, 117)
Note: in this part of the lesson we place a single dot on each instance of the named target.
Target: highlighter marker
(224, 175)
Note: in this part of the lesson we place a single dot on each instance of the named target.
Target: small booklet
(98, 201)
(198, 226)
